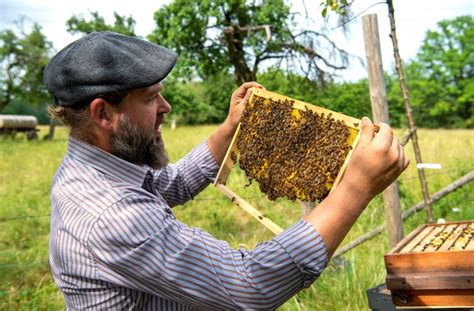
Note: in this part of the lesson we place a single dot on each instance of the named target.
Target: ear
(102, 114)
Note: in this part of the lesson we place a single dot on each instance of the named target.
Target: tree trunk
(233, 39)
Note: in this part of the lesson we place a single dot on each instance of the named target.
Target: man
(115, 243)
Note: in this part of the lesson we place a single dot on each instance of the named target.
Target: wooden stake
(409, 111)
(393, 214)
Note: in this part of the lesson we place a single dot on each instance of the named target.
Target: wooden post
(393, 214)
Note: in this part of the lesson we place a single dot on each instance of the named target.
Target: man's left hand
(238, 101)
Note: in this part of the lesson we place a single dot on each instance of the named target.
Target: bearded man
(115, 243)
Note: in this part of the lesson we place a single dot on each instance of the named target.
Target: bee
(303, 154)
(464, 238)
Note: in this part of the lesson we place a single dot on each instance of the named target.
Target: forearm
(376, 162)
(334, 216)
(166, 257)
(220, 140)
(180, 182)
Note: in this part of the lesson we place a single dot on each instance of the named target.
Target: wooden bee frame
(433, 267)
(232, 154)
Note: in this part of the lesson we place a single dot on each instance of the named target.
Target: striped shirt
(115, 243)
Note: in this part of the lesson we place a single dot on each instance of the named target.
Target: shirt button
(169, 213)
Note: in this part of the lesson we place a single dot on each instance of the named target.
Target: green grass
(27, 168)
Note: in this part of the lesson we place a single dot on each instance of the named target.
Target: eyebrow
(158, 88)
(154, 90)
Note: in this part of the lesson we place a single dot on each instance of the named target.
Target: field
(27, 168)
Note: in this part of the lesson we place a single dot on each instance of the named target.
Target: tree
(23, 58)
(204, 102)
(446, 59)
(215, 36)
(122, 24)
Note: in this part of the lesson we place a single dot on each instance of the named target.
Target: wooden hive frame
(232, 154)
(433, 267)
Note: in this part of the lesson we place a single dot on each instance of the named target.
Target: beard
(137, 145)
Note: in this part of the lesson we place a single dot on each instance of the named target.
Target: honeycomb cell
(291, 153)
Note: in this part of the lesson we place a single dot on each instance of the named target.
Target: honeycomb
(447, 238)
(291, 152)
(464, 238)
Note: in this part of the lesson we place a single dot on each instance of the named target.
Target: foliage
(204, 102)
(338, 6)
(24, 207)
(215, 36)
(289, 84)
(350, 98)
(441, 79)
(188, 106)
(218, 90)
(22, 60)
(122, 24)
(396, 109)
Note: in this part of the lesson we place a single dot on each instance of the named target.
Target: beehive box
(433, 267)
(276, 122)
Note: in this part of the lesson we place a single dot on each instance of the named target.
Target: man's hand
(238, 101)
(376, 162)
(220, 139)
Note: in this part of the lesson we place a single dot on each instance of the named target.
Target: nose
(163, 105)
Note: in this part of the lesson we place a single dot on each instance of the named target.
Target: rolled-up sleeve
(139, 244)
(180, 182)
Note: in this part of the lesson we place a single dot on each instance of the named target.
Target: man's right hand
(376, 162)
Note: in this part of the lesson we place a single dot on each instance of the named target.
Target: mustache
(159, 121)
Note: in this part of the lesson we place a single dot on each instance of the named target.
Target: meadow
(27, 169)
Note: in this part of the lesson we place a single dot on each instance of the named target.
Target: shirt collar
(105, 162)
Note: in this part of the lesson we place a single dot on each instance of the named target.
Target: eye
(152, 98)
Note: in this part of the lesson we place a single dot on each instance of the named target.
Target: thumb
(367, 131)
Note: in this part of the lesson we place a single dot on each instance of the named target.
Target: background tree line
(226, 42)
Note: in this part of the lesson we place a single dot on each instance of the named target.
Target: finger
(367, 131)
(384, 136)
(242, 90)
(406, 160)
(246, 97)
(399, 152)
(252, 84)
(403, 161)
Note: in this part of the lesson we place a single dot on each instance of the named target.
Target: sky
(413, 18)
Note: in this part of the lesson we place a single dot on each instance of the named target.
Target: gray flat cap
(105, 62)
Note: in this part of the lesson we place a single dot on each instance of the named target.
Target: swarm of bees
(291, 153)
